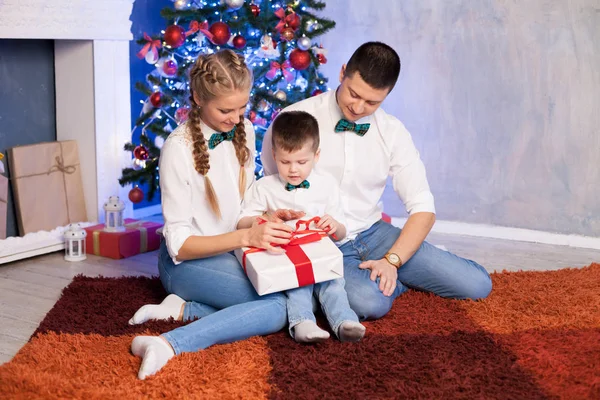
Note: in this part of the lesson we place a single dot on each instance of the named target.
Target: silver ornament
(147, 107)
(138, 164)
(312, 26)
(160, 62)
(304, 43)
(280, 95)
(151, 58)
(181, 4)
(234, 4)
(159, 141)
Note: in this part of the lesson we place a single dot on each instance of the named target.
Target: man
(361, 145)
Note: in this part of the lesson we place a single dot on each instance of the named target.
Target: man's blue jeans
(218, 291)
(430, 269)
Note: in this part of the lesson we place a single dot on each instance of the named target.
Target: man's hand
(282, 215)
(387, 273)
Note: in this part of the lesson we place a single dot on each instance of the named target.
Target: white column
(113, 119)
(92, 107)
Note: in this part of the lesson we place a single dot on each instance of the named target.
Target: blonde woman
(206, 166)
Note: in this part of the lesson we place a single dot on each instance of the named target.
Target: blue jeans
(218, 291)
(430, 269)
(333, 299)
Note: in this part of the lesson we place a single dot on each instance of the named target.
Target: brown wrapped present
(3, 200)
(47, 185)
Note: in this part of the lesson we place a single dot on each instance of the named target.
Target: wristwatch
(394, 259)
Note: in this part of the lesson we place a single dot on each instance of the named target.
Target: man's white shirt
(361, 165)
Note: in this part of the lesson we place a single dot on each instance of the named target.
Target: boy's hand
(328, 224)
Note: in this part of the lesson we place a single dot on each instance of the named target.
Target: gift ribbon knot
(294, 252)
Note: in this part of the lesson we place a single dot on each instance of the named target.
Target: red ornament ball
(221, 33)
(136, 195)
(254, 9)
(316, 92)
(321, 58)
(299, 59)
(170, 67)
(174, 36)
(239, 42)
(155, 99)
(293, 20)
(181, 115)
(140, 152)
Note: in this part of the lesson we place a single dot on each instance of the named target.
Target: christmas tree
(278, 41)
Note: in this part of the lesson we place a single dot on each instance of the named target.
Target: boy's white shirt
(185, 208)
(269, 194)
(361, 165)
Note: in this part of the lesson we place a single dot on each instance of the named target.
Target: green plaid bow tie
(345, 125)
(219, 137)
(304, 185)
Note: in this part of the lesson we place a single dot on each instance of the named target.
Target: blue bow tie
(303, 185)
(345, 125)
(219, 137)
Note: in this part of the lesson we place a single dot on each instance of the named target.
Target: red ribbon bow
(294, 252)
(284, 19)
(151, 45)
(196, 26)
(275, 67)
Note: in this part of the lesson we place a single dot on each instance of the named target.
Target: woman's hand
(282, 215)
(268, 234)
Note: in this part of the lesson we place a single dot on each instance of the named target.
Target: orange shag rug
(536, 337)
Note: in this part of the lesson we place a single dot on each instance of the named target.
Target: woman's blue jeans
(218, 291)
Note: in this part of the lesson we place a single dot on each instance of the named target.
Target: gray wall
(27, 105)
(502, 100)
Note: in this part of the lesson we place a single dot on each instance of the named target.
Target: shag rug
(537, 336)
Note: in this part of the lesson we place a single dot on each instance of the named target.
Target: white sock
(170, 307)
(351, 331)
(309, 332)
(155, 353)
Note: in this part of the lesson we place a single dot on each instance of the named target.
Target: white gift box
(301, 265)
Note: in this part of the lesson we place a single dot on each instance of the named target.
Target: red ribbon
(302, 264)
(151, 45)
(196, 26)
(275, 67)
(283, 19)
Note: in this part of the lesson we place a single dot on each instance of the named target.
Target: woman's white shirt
(186, 210)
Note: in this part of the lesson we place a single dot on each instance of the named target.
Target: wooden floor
(29, 288)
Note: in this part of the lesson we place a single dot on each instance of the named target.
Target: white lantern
(113, 215)
(75, 243)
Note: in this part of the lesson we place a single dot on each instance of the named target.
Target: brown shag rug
(536, 337)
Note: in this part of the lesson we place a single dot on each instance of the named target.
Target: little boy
(299, 187)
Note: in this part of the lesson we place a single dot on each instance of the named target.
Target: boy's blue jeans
(333, 299)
